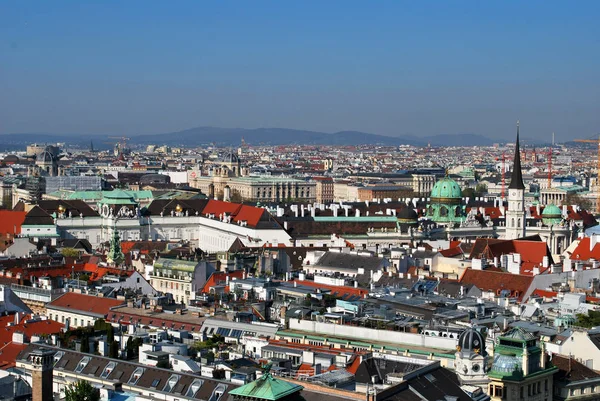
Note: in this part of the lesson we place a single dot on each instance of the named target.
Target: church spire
(516, 179)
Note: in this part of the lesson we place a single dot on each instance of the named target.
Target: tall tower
(515, 216)
(42, 367)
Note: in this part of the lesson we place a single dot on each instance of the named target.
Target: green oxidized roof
(267, 388)
(175, 264)
(446, 188)
(118, 197)
(518, 334)
(552, 210)
(98, 195)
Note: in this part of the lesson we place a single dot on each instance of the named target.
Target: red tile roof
(8, 349)
(544, 293)
(220, 278)
(337, 291)
(532, 252)
(11, 221)
(238, 212)
(495, 282)
(583, 251)
(85, 303)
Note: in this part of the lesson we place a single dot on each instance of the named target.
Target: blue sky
(392, 68)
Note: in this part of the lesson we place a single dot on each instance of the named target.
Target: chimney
(545, 261)
(41, 361)
(593, 241)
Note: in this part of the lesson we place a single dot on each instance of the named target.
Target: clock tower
(515, 216)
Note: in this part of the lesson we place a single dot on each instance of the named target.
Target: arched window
(443, 211)
(512, 223)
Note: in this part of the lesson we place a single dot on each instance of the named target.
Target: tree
(236, 196)
(130, 348)
(70, 252)
(110, 336)
(578, 200)
(481, 189)
(81, 391)
(588, 320)
(85, 344)
(113, 350)
(212, 342)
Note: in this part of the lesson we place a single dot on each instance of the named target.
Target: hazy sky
(392, 68)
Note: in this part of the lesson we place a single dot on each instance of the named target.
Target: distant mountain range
(233, 136)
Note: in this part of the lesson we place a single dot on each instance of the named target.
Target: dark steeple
(516, 179)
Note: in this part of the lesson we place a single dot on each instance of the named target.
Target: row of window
(61, 318)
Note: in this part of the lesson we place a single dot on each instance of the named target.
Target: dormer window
(82, 364)
(135, 376)
(108, 370)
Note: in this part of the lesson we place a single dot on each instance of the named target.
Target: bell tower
(515, 216)
(42, 370)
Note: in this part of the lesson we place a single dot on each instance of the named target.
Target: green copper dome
(445, 205)
(551, 215)
(446, 188)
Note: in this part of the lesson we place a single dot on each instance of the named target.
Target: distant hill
(284, 136)
(268, 136)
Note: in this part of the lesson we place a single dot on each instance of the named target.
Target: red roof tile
(583, 251)
(337, 291)
(495, 282)
(10, 350)
(11, 221)
(220, 278)
(85, 303)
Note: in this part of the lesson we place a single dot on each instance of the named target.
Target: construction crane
(596, 141)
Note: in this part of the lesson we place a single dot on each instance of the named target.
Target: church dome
(445, 205)
(446, 188)
(46, 157)
(471, 340)
(551, 215)
(230, 157)
(407, 216)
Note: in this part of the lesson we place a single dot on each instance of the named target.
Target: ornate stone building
(226, 175)
(521, 370)
(445, 206)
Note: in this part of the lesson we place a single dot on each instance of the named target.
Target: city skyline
(398, 69)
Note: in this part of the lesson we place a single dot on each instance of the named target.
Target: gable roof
(583, 251)
(84, 304)
(255, 217)
(495, 282)
(38, 217)
(532, 251)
